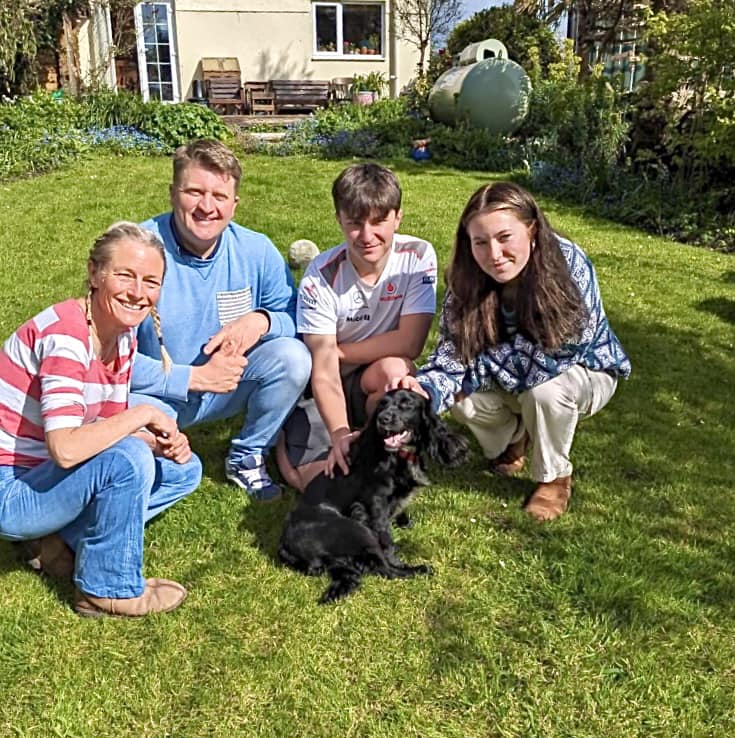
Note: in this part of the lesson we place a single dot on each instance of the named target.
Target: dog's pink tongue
(397, 440)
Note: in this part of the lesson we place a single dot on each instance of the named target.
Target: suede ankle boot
(550, 499)
(512, 459)
(50, 555)
(160, 595)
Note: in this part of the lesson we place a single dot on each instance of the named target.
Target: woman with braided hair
(81, 472)
(526, 350)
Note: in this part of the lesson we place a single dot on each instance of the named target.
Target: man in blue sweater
(225, 318)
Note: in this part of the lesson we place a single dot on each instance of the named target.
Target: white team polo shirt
(333, 300)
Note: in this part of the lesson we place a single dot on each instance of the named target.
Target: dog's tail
(345, 580)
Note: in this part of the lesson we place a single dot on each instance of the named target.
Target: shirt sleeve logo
(309, 294)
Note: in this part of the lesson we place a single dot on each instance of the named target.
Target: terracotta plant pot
(364, 97)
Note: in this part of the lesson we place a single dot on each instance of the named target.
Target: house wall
(95, 48)
(273, 43)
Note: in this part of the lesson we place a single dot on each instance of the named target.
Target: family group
(190, 318)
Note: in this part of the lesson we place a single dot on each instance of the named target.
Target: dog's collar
(408, 453)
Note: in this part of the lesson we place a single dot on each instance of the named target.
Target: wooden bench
(302, 94)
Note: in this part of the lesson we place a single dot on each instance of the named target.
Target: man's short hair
(365, 189)
(208, 154)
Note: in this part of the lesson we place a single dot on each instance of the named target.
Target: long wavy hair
(549, 309)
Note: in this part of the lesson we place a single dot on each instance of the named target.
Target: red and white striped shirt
(50, 378)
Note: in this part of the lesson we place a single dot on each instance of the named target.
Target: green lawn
(616, 620)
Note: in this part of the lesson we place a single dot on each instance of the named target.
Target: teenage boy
(364, 310)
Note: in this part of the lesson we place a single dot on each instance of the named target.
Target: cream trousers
(549, 413)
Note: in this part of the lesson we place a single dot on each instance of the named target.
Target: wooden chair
(260, 98)
(340, 89)
(223, 84)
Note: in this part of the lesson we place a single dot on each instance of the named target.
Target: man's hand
(342, 439)
(408, 382)
(223, 371)
(241, 334)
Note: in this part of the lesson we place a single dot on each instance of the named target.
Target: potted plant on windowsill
(367, 88)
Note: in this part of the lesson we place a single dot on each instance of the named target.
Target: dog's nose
(388, 416)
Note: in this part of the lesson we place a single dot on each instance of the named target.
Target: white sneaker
(251, 475)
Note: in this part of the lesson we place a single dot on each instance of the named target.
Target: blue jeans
(99, 507)
(271, 384)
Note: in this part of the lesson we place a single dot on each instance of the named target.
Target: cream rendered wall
(272, 43)
(94, 42)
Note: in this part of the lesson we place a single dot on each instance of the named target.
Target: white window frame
(143, 62)
(339, 53)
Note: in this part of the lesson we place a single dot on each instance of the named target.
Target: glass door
(156, 52)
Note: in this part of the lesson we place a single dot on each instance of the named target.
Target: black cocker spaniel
(342, 526)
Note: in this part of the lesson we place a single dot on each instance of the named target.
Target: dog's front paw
(403, 521)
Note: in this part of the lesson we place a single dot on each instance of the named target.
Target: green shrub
(40, 132)
(106, 108)
(474, 148)
(177, 124)
(576, 123)
(383, 129)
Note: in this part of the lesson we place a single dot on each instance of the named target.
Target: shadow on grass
(720, 306)
(650, 543)
(265, 521)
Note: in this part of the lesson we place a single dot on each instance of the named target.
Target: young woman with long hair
(526, 350)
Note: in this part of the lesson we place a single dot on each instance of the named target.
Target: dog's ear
(368, 439)
(443, 445)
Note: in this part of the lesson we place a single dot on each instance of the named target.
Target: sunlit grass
(616, 620)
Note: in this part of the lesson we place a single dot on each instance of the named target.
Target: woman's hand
(159, 424)
(177, 448)
(168, 440)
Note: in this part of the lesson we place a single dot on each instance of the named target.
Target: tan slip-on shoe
(50, 555)
(550, 499)
(160, 595)
(512, 460)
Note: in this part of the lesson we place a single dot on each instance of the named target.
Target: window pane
(149, 35)
(152, 73)
(363, 29)
(165, 72)
(167, 92)
(146, 14)
(326, 28)
(162, 34)
(151, 54)
(154, 91)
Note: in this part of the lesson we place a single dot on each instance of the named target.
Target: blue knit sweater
(246, 272)
(518, 364)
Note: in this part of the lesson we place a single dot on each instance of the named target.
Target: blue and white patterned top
(518, 365)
